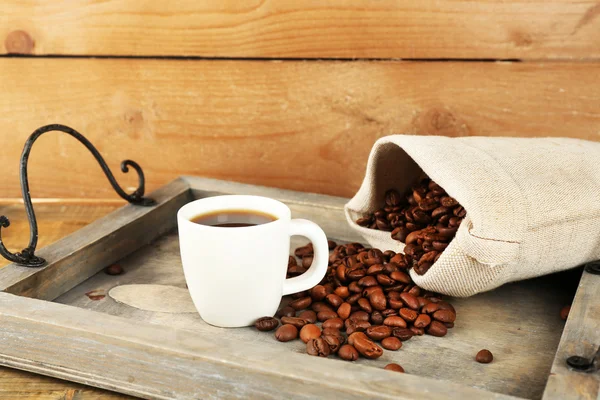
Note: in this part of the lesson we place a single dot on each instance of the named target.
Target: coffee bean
(378, 332)
(437, 328)
(449, 325)
(417, 331)
(333, 342)
(325, 315)
(336, 323)
(301, 304)
(359, 316)
(334, 300)
(415, 291)
(378, 301)
(309, 331)
(400, 276)
(342, 291)
(422, 321)
(285, 333)
(448, 201)
(375, 256)
(410, 300)
(304, 251)
(391, 343)
(422, 301)
(354, 298)
(307, 261)
(266, 324)
(340, 272)
(292, 262)
(394, 295)
(368, 291)
(402, 333)
(331, 331)
(367, 348)
(318, 307)
(364, 221)
(430, 308)
(484, 356)
(395, 304)
(564, 312)
(444, 316)
(394, 367)
(376, 318)
(388, 254)
(446, 306)
(365, 305)
(392, 198)
(375, 269)
(298, 295)
(318, 347)
(309, 316)
(318, 293)
(353, 326)
(389, 312)
(408, 315)
(352, 337)
(344, 310)
(296, 270)
(332, 245)
(348, 353)
(395, 321)
(354, 288)
(367, 281)
(296, 321)
(400, 233)
(114, 269)
(286, 311)
(356, 274)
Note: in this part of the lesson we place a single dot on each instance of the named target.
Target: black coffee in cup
(233, 218)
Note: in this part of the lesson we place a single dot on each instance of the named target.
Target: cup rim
(233, 202)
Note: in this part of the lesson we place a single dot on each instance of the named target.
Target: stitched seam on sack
(515, 185)
(493, 240)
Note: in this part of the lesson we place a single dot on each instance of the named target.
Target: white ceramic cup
(237, 275)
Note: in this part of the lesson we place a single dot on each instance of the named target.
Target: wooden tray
(49, 326)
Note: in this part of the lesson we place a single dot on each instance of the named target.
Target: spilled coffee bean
(266, 324)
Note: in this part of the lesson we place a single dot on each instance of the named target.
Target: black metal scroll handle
(27, 257)
(584, 364)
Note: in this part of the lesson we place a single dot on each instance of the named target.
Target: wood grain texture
(75, 258)
(298, 125)
(55, 221)
(18, 385)
(159, 362)
(496, 29)
(581, 337)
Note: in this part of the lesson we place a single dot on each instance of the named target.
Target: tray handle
(27, 257)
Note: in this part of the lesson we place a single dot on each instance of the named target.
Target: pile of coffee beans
(425, 218)
(366, 298)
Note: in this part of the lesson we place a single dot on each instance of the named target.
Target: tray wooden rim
(29, 325)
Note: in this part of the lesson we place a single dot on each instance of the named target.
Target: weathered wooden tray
(49, 326)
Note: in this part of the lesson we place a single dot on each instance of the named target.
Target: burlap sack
(533, 205)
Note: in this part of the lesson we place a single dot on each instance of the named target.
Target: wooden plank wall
(282, 93)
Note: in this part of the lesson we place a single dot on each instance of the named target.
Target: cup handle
(317, 270)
